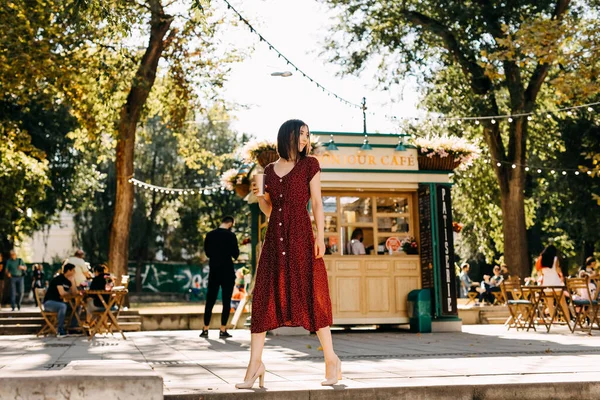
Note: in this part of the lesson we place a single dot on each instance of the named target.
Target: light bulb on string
(498, 164)
(526, 168)
(514, 166)
(529, 118)
(576, 172)
(548, 116)
(476, 122)
(590, 109)
(539, 171)
(589, 172)
(510, 119)
(493, 121)
(553, 172)
(569, 113)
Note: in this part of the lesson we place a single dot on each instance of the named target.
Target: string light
(441, 119)
(176, 191)
(539, 170)
(287, 60)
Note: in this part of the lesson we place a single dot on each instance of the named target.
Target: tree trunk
(511, 182)
(516, 254)
(129, 117)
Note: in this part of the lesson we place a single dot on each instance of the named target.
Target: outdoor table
(106, 320)
(75, 301)
(539, 297)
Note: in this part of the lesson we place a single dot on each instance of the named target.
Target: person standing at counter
(291, 286)
(355, 245)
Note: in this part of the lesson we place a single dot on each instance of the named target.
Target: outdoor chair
(50, 324)
(520, 309)
(472, 297)
(586, 307)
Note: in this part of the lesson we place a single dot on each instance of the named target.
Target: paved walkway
(481, 355)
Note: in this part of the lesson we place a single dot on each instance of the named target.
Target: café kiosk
(380, 191)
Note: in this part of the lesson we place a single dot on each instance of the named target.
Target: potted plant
(409, 245)
(262, 151)
(444, 153)
(228, 179)
(233, 180)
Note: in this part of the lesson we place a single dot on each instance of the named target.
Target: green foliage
(163, 223)
(24, 177)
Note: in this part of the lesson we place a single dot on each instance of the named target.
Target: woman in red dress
(291, 281)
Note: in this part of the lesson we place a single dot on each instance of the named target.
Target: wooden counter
(371, 289)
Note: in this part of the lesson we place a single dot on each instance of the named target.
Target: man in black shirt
(221, 247)
(60, 286)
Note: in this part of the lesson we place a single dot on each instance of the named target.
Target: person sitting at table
(484, 292)
(466, 285)
(101, 278)
(583, 294)
(495, 282)
(548, 264)
(60, 286)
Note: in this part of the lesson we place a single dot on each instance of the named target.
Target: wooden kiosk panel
(371, 289)
(348, 295)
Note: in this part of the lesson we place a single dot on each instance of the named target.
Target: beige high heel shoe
(260, 374)
(337, 376)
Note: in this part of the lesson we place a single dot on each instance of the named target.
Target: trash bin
(419, 310)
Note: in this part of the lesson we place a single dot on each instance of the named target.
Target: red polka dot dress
(291, 286)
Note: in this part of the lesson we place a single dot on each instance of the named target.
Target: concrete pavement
(482, 362)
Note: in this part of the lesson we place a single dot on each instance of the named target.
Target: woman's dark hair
(101, 269)
(590, 261)
(548, 256)
(357, 232)
(288, 138)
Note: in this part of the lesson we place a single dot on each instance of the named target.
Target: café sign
(376, 159)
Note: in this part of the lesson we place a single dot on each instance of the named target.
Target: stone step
(20, 329)
(130, 326)
(21, 320)
(494, 320)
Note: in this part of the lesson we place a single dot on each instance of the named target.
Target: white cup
(259, 181)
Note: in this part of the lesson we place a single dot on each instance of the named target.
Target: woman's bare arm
(317, 208)
(264, 202)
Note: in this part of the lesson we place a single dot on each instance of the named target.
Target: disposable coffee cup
(259, 181)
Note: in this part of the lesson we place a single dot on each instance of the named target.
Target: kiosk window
(357, 240)
(356, 209)
(394, 205)
(362, 223)
(393, 224)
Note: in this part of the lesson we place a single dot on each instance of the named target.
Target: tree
(179, 46)
(504, 50)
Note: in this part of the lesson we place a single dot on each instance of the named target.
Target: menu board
(425, 236)
(446, 250)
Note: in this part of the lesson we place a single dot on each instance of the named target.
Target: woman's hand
(319, 248)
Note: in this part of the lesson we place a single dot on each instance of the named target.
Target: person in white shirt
(355, 246)
(82, 271)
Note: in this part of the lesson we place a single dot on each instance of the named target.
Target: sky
(298, 28)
